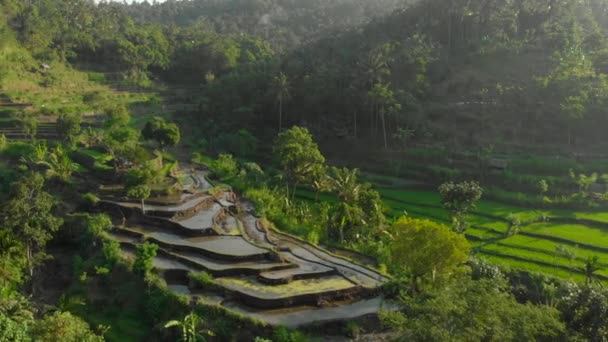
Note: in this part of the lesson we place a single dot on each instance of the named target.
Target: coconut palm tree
(345, 183)
(59, 164)
(592, 265)
(280, 86)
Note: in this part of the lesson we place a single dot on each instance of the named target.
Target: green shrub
(225, 166)
(202, 278)
(111, 252)
(282, 334)
(90, 199)
(144, 258)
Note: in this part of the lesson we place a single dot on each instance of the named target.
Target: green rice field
(534, 248)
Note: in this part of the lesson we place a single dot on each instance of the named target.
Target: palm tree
(280, 85)
(321, 184)
(345, 217)
(345, 183)
(591, 266)
(59, 164)
(190, 328)
(382, 96)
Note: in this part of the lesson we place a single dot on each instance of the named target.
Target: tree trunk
(384, 130)
(280, 113)
(30, 266)
(371, 122)
(143, 210)
(355, 120)
(295, 188)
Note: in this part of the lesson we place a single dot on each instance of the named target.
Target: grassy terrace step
(589, 237)
(549, 248)
(537, 257)
(531, 266)
(298, 292)
(288, 275)
(217, 247)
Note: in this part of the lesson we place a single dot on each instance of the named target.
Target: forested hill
(284, 23)
(472, 73)
(464, 74)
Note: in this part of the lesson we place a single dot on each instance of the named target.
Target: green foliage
(11, 331)
(141, 192)
(165, 134)
(202, 279)
(28, 214)
(63, 326)
(111, 252)
(68, 126)
(190, 326)
(299, 155)
(58, 164)
(241, 143)
(144, 258)
(117, 116)
(459, 198)
(225, 166)
(424, 248)
(282, 334)
(474, 311)
(585, 310)
(98, 225)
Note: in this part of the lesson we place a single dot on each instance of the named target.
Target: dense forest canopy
(510, 71)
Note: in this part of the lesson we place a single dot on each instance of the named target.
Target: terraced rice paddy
(264, 274)
(534, 248)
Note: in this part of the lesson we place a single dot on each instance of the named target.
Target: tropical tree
(280, 87)
(345, 217)
(58, 164)
(30, 126)
(459, 199)
(299, 156)
(164, 133)
(424, 248)
(190, 327)
(592, 265)
(473, 310)
(384, 99)
(28, 213)
(68, 126)
(345, 184)
(141, 192)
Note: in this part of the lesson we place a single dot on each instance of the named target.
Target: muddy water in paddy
(303, 315)
(225, 245)
(219, 265)
(201, 220)
(161, 263)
